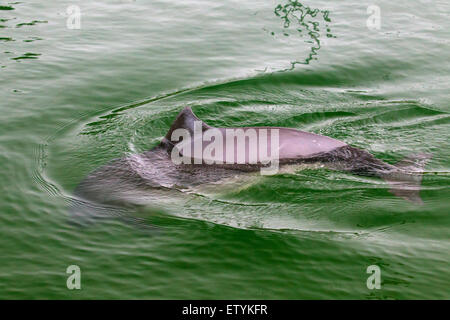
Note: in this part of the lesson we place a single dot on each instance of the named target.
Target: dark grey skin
(125, 181)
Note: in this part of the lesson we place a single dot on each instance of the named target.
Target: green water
(73, 99)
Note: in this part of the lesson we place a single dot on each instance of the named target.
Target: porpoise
(123, 181)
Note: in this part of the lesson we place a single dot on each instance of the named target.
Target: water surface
(72, 100)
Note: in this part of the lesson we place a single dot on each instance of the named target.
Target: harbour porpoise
(128, 180)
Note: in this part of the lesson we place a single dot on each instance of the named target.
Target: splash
(32, 23)
(28, 55)
(304, 20)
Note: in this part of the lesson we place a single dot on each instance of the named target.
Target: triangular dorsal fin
(184, 120)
